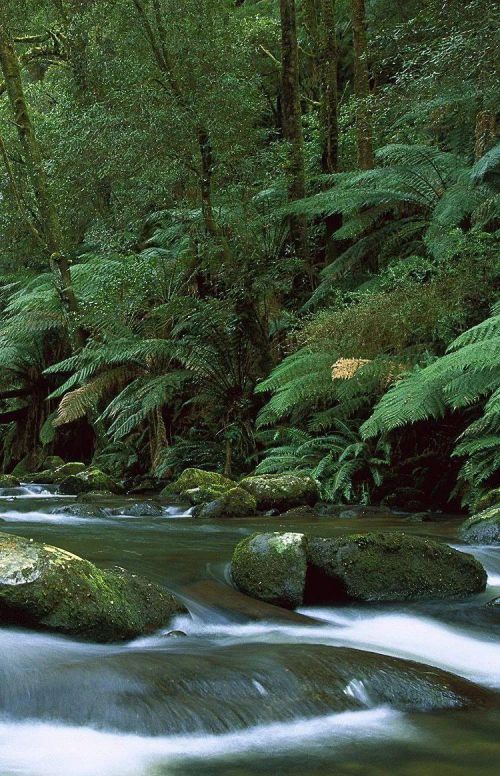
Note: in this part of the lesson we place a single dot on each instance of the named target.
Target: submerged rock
(48, 588)
(80, 510)
(271, 567)
(291, 569)
(140, 509)
(236, 502)
(281, 491)
(190, 479)
(483, 528)
(8, 481)
(177, 690)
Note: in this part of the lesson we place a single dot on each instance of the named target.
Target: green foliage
(468, 375)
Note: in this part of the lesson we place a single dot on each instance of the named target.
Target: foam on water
(409, 636)
(12, 516)
(40, 749)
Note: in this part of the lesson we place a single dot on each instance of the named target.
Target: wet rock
(198, 478)
(48, 588)
(86, 481)
(175, 634)
(141, 509)
(236, 502)
(216, 690)
(289, 569)
(299, 512)
(94, 496)
(490, 499)
(69, 469)
(483, 528)
(45, 477)
(281, 491)
(80, 510)
(53, 462)
(271, 567)
(388, 567)
(8, 481)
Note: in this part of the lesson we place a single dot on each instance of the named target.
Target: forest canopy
(253, 235)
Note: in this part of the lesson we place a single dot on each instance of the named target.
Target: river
(247, 690)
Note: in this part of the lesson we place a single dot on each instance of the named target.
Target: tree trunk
(292, 121)
(48, 225)
(362, 87)
(485, 133)
(329, 97)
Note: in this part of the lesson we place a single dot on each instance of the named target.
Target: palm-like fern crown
(468, 375)
(419, 200)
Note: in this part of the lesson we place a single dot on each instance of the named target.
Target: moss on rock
(48, 588)
(68, 469)
(53, 462)
(236, 502)
(489, 499)
(198, 478)
(483, 528)
(271, 567)
(87, 481)
(45, 477)
(281, 491)
(388, 567)
(8, 481)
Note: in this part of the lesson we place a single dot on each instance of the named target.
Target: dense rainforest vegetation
(253, 235)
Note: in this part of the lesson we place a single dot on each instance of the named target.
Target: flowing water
(249, 689)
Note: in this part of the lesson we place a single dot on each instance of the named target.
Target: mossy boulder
(388, 567)
(190, 479)
(199, 496)
(69, 469)
(86, 481)
(290, 569)
(53, 462)
(271, 567)
(236, 502)
(281, 491)
(489, 499)
(483, 528)
(47, 588)
(45, 477)
(8, 481)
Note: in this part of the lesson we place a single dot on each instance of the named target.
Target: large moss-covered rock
(88, 480)
(281, 491)
(236, 502)
(8, 481)
(388, 567)
(45, 477)
(483, 528)
(489, 499)
(212, 483)
(69, 469)
(48, 588)
(53, 462)
(271, 567)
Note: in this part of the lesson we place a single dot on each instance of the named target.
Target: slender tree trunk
(485, 132)
(292, 121)
(329, 88)
(48, 223)
(364, 132)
